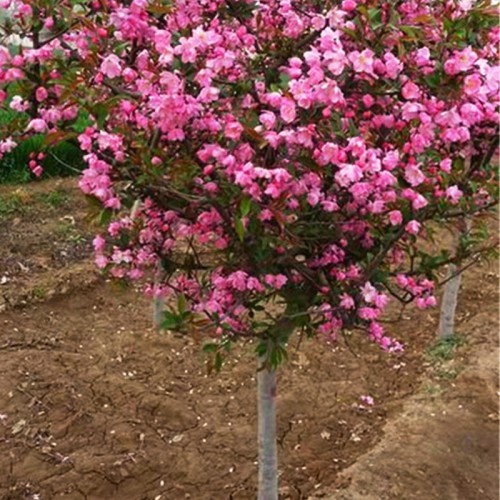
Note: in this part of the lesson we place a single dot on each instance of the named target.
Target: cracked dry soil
(94, 404)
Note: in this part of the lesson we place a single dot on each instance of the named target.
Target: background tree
(33, 56)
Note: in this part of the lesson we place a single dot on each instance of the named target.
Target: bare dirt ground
(444, 443)
(96, 405)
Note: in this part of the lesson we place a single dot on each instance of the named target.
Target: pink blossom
(453, 193)
(422, 56)
(493, 78)
(233, 130)
(411, 91)
(41, 94)
(7, 145)
(368, 313)
(48, 23)
(414, 175)
(369, 293)
(129, 75)
(362, 62)
(391, 160)
(288, 110)
(470, 113)
(451, 66)
(466, 58)
(99, 243)
(368, 101)
(445, 165)
(101, 261)
(393, 66)
(346, 301)
(419, 201)
(465, 5)
(395, 217)
(368, 400)
(4, 55)
(348, 174)
(268, 119)
(349, 5)
(313, 197)
(18, 104)
(413, 227)
(472, 84)
(37, 170)
(111, 66)
(336, 60)
(277, 281)
(187, 49)
(37, 125)
(431, 301)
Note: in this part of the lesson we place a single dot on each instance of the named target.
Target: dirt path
(95, 405)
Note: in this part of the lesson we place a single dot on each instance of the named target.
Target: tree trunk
(268, 452)
(449, 303)
(451, 289)
(158, 302)
(158, 308)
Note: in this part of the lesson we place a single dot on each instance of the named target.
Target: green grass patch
(448, 373)
(55, 199)
(66, 229)
(39, 292)
(433, 389)
(13, 203)
(444, 349)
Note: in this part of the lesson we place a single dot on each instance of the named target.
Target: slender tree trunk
(449, 303)
(158, 302)
(158, 308)
(268, 451)
(451, 289)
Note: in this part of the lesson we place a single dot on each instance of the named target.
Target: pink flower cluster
(283, 154)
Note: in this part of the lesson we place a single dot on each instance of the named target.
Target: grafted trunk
(268, 452)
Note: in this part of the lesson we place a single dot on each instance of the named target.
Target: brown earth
(444, 443)
(96, 405)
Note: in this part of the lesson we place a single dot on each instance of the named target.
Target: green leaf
(375, 16)
(337, 124)
(411, 31)
(211, 347)
(350, 32)
(352, 128)
(284, 81)
(245, 206)
(170, 321)
(240, 229)
(105, 217)
(219, 360)
(261, 349)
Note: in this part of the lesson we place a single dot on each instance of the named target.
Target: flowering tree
(289, 156)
